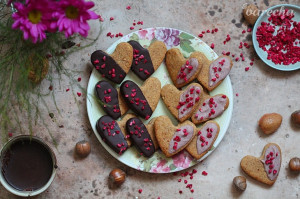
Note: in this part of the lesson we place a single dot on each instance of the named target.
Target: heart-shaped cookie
(112, 134)
(266, 168)
(210, 107)
(142, 100)
(214, 72)
(146, 61)
(111, 100)
(204, 139)
(140, 136)
(115, 66)
(182, 104)
(182, 71)
(173, 139)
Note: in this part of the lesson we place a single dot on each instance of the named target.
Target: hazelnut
(240, 183)
(116, 177)
(251, 13)
(295, 164)
(83, 148)
(296, 118)
(270, 122)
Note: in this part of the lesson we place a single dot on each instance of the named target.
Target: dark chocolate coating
(112, 70)
(108, 95)
(135, 99)
(142, 67)
(111, 134)
(140, 136)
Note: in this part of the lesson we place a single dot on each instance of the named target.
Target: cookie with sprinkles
(204, 139)
(181, 70)
(115, 66)
(146, 61)
(210, 107)
(173, 139)
(183, 103)
(142, 100)
(266, 168)
(112, 101)
(214, 72)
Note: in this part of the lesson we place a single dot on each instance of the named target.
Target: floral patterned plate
(187, 43)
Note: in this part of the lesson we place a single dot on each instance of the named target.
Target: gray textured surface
(260, 90)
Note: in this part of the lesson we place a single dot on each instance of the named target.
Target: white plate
(187, 43)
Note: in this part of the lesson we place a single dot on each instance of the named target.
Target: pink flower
(161, 167)
(182, 159)
(147, 34)
(169, 36)
(32, 18)
(72, 16)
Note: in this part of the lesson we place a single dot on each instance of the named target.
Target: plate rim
(255, 43)
(227, 81)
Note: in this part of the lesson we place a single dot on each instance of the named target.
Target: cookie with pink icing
(183, 103)
(182, 71)
(173, 139)
(214, 72)
(204, 139)
(210, 107)
(266, 168)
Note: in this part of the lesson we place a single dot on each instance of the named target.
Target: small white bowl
(27, 193)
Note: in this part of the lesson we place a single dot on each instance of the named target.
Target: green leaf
(134, 37)
(186, 36)
(186, 46)
(148, 164)
(172, 167)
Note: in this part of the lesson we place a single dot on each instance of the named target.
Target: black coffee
(27, 165)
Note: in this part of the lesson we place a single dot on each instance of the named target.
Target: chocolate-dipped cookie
(140, 136)
(146, 61)
(142, 100)
(111, 100)
(141, 64)
(115, 66)
(111, 134)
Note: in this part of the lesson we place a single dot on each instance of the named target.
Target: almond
(251, 13)
(270, 122)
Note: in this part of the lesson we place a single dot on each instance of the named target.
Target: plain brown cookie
(157, 51)
(209, 109)
(123, 55)
(151, 131)
(122, 104)
(151, 90)
(204, 75)
(177, 66)
(204, 139)
(255, 167)
(122, 125)
(167, 135)
(171, 97)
